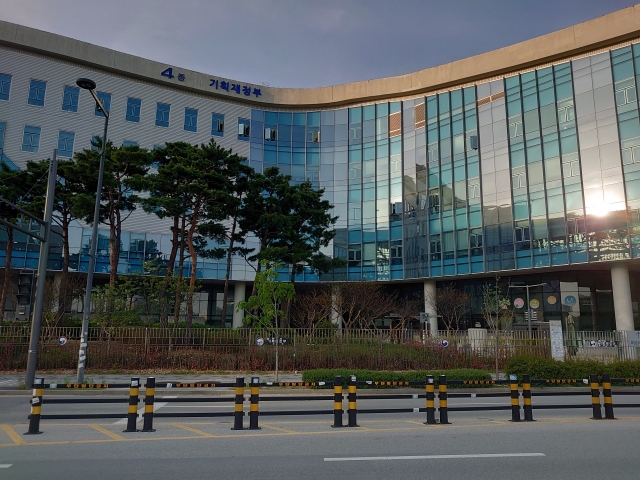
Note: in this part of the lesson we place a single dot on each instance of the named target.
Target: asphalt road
(561, 444)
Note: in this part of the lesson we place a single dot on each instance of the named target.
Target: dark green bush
(325, 375)
(547, 368)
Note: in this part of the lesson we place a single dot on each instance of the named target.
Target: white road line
(432, 457)
(6, 465)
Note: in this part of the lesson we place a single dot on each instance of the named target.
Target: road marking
(432, 457)
(156, 407)
(115, 436)
(193, 430)
(277, 429)
(6, 465)
(13, 435)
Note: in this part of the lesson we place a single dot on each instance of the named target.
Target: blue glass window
(105, 98)
(162, 114)
(70, 99)
(65, 143)
(133, 109)
(31, 139)
(129, 143)
(5, 86)
(191, 120)
(37, 90)
(243, 129)
(217, 124)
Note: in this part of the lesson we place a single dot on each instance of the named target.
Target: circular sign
(62, 340)
(259, 341)
(518, 303)
(445, 343)
(592, 343)
(570, 300)
(534, 303)
(551, 300)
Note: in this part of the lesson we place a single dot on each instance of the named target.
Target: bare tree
(404, 312)
(311, 308)
(496, 312)
(361, 303)
(451, 304)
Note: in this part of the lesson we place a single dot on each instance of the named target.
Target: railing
(299, 349)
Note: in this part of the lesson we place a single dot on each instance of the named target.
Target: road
(562, 444)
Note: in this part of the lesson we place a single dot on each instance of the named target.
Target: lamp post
(90, 85)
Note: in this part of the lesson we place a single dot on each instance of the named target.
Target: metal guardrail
(337, 398)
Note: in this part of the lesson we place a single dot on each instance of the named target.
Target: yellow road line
(278, 429)
(13, 435)
(194, 430)
(115, 436)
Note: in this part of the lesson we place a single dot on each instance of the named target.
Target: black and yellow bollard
(515, 399)
(239, 412)
(526, 398)
(36, 407)
(595, 397)
(132, 413)
(442, 399)
(431, 401)
(337, 402)
(606, 393)
(352, 398)
(255, 402)
(149, 400)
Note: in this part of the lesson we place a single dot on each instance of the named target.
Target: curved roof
(605, 31)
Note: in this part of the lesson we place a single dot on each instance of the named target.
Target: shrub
(547, 368)
(324, 374)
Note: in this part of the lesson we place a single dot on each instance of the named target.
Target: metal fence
(128, 348)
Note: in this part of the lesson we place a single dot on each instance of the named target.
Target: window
(519, 178)
(626, 95)
(70, 98)
(435, 246)
(434, 200)
(243, 129)
(133, 110)
(217, 124)
(162, 114)
(270, 134)
(515, 126)
(474, 188)
(105, 98)
(570, 166)
(37, 90)
(31, 139)
(190, 120)
(65, 143)
(5, 86)
(129, 143)
(523, 234)
(566, 112)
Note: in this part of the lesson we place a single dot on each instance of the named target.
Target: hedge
(326, 375)
(547, 368)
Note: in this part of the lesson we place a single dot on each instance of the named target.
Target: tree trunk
(7, 273)
(164, 286)
(225, 292)
(194, 265)
(63, 294)
(178, 296)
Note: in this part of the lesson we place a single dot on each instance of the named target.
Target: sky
(304, 43)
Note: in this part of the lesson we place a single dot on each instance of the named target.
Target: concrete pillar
(430, 305)
(622, 296)
(239, 289)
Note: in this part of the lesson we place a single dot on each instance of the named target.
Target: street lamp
(90, 85)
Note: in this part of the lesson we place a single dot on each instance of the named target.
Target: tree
(405, 311)
(169, 197)
(451, 304)
(236, 179)
(312, 308)
(496, 311)
(270, 295)
(124, 169)
(359, 304)
(68, 185)
(13, 187)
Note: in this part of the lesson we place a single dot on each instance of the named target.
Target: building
(522, 163)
